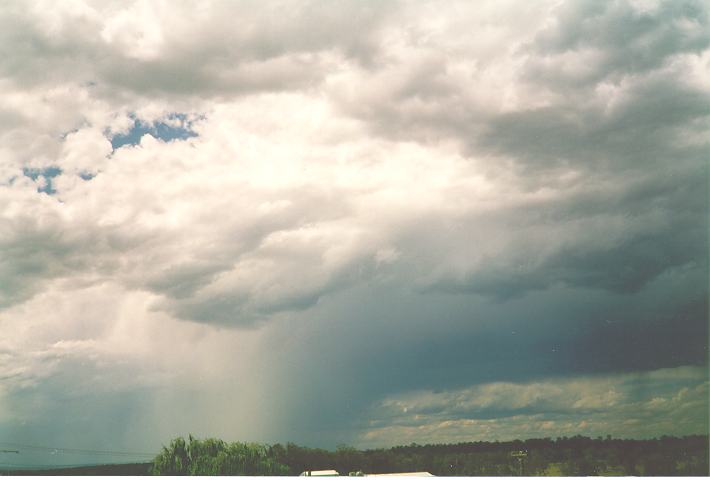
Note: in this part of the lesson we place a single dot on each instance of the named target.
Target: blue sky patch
(165, 131)
(48, 173)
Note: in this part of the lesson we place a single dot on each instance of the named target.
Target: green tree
(216, 457)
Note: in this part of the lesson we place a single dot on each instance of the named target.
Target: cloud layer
(669, 400)
(288, 215)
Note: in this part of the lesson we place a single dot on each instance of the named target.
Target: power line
(77, 451)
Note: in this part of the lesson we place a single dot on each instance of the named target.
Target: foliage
(215, 457)
(575, 456)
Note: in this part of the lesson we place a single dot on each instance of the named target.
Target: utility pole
(520, 455)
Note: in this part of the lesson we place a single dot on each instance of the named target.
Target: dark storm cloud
(562, 333)
(658, 223)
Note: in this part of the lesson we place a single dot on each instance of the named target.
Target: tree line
(564, 456)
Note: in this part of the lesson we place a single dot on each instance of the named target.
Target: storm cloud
(348, 222)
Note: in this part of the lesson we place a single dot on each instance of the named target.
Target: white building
(407, 474)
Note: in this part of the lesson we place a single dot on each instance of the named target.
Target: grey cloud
(639, 134)
(629, 41)
(365, 344)
(617, 235)
(32, 253)
(181, 78)
(236, 310)
(296, 284)
(288, 276)
(181, 281)
(622, 268)
(629, 266)
(38, 249)
(650, 109)
(224, 48)
(644, 129)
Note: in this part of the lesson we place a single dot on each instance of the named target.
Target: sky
(347, 222)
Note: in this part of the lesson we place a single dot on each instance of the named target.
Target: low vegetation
(577, 456)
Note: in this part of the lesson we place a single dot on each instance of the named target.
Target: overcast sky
(371, 223)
